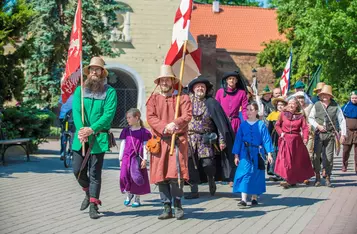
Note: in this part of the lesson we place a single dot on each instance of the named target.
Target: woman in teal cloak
(251, 144)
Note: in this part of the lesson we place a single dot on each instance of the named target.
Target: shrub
(25, 122)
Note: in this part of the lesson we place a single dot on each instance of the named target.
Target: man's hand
(222, 146)
(85, 132)
(321, 128)
(170, 128)
(83, 139)
(342, 139)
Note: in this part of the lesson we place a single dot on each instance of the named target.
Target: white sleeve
(312, 120)
(342, 122)
(145, 151)
(121, 149)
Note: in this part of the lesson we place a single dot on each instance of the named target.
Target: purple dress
(231, 105)
(126, 182)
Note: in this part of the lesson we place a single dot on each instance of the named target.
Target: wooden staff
(178, 95)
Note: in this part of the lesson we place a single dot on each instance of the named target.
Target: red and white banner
(285, 78)
(181, 33)
(74, 64)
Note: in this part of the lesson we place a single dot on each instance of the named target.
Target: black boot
(93, 211)
(167, 213)
(178, 209)
(212, 185)
(85, 202)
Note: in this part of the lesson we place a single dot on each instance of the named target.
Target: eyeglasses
(96, 70)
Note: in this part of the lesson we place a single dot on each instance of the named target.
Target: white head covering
(301, 93)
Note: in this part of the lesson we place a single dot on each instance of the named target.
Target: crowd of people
(234, 136)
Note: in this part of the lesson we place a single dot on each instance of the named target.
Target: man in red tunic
(161, 118)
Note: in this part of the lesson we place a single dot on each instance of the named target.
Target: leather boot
(328, 181)
(85, 202)
(212, 185)
(167, 213)
(317, 180)
(93, 211)
(178, 209)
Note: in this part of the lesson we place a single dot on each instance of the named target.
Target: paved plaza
(41, 196)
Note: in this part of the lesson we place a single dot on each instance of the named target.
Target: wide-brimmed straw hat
(278, 99)
(96, 61)
(327, 89)
(319, 86)
(166, 71)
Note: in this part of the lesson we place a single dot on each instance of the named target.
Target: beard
(95, 84)
(200, 94)
(165, 88)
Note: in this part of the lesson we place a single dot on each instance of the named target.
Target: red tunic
(160, 112)
(293, 161)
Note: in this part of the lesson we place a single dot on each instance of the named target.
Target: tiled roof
(238, 28)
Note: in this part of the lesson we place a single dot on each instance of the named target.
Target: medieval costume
(165, 169)
(208, 129)
(293, 162)
(329, 117)
(232, 100)
(251, 144)
(350, 113)
(272, 119)
(133, 179)
(99, 111)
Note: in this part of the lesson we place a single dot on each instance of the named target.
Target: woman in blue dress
(251, 144)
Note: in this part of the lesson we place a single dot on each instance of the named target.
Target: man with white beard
(210, 138)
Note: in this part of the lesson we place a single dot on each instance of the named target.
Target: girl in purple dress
(134, 180)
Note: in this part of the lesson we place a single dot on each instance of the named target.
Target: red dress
(293, 161)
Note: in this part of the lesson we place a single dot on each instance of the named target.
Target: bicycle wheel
(68, 152)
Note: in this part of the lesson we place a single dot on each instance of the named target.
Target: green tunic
(99, 111)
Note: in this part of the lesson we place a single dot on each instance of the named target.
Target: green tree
(232, 2)
(51, 30)
(14, 17)
(320, 33)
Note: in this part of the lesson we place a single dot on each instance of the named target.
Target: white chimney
(215, 6)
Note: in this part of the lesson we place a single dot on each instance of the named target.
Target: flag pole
(182, 69)
(82, 83)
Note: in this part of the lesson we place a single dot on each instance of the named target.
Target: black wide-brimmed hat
(200, 79)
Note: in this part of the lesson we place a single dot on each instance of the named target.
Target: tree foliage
(51, 30)
(232, 2)
(319, 32)
(14, 17)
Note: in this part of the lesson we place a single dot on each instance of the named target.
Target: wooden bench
(5, 144)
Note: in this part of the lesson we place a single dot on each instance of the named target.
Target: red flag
(181, 33)
(74, 63)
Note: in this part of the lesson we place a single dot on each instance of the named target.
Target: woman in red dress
(293, 161)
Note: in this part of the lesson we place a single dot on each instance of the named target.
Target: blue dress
(248, 178)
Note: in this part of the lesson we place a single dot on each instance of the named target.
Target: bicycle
(68, 139)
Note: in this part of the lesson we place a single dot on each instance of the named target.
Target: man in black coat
(210, 137)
